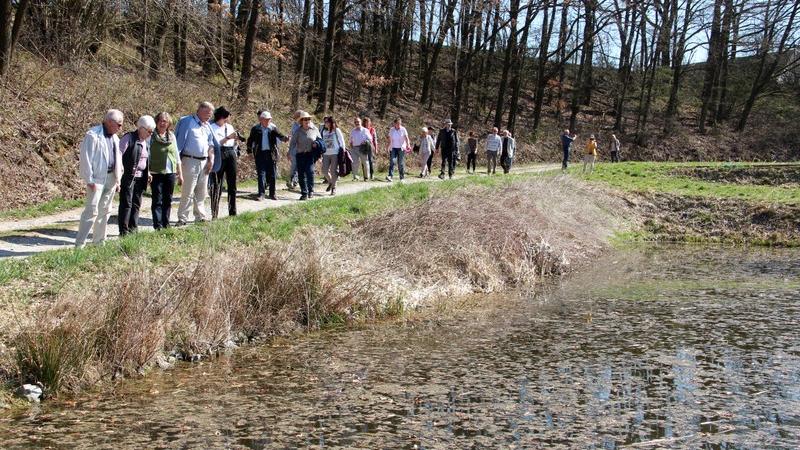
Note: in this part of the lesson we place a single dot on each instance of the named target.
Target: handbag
(344, 162)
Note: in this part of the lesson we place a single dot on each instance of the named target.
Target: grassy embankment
(89, 315)
(739, 203)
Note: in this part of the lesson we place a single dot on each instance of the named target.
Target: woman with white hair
(134, 147)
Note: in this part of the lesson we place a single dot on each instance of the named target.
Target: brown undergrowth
(479, 240)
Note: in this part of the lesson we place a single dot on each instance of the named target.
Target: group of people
(589, 151)
(201, 154)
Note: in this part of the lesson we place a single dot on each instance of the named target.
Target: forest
(647, 69)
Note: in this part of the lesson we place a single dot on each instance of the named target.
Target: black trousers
(614, 156)
(448, 158)
(227, 172)
(472, 158)
(430, 162)
(130, 200)
(163, 186)
(266, 170)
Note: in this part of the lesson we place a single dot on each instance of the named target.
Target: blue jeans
(401, 156)
(305, 172)
(507, 164)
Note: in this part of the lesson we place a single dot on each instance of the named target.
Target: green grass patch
(659, 177)
(54, 268)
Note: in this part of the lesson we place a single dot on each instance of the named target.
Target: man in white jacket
(101, 170)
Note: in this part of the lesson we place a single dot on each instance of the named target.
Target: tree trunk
(712, 67)
(507, 63)
(301, 54)
(677, 72)
(327, 56)
(443, 29)
(243, 90)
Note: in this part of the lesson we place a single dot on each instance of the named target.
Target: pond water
(691, 347)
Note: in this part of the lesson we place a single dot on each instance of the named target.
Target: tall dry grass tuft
(471, 241)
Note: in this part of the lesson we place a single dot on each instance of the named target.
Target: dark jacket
(130, 157)
(254, 140)
(447, 140)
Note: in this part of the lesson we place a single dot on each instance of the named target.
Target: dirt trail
(21, 238)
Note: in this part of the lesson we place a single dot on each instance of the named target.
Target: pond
(654, 347)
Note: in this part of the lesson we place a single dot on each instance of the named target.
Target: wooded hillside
(676, 79)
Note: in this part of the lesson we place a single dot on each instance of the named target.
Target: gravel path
(21, 238)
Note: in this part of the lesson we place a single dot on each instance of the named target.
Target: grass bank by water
(733, 203)
(100, 313)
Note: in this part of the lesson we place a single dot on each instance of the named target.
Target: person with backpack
(361, 144)
(447, 144)
(334, 144)
(228, 140)
(263, 143)
(307, 142)
(398, 144)
(135, 149)
(425, 149)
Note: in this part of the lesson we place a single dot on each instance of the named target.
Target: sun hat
(265, 115)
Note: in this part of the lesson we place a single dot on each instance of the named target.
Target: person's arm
(408, 141)
(213, 148)
(180, 132)
(340, 138)
(438, 141)
(85, 161)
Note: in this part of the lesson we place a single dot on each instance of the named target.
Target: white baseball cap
(265, 115)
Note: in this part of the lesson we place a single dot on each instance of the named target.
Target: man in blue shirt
(566, 143)
(200, 155)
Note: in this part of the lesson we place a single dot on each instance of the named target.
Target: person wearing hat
(447, 144)
(227, 137)
(263, 144)
(589, 154)
(304, 140)
(425, 150)
(135, 150)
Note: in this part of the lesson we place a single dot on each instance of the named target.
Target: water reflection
(675, 347)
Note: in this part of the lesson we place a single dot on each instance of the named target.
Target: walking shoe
(389, 179)
(272, 197)
(261, 197)
(441, 176)
(180, 223)
(329, 188)
(333, 191)
(310, 194)
(303, 197)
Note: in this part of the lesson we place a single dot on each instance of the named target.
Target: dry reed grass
(480, 240)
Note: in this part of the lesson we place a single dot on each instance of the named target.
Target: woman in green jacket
(165, 169)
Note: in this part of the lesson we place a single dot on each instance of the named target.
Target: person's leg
(451, 168)
(391, 163)
(310, 174)
(401, 162)
(231, 170)
(591, 165)
(565, 161)
(104, 209)
(166, 200)
(200, 193)
(125, 200)
(271, 169)
(356, 155)
(370, 163)
(215, 188)
(190, 167)
(139, 186)
(488, 163)
(156, 205)
(430, 163)
(510, 163)
(302, 172)
(261, 172)
(89, 214)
